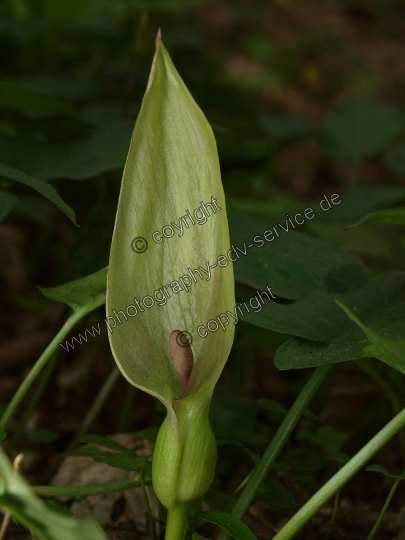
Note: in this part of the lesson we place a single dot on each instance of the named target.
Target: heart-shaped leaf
(380, 304)
(361, 128)
(390, 351)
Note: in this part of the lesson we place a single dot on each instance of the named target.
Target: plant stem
(71, 322)
(85, 491)
(277, 443)
(38, 392)
(333, 517)
(148, 508)
(368, 368)
(341, 478)
(384, 509)
(177, 519)
(99, 401)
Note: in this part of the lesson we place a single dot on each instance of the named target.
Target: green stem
(71, 322)
(334, 513)
(277, 443)
(85, 491)
(148, 508)
(99, 402)
(341, 478)
(368, 368)
(177, 519)
(384, 509)
(35, 399)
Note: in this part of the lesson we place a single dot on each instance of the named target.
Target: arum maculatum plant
(153, 302)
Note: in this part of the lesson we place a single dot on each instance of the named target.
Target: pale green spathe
(172, 166)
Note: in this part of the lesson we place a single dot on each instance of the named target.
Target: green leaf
(172, 166)
(103, 441)
(197, 536)
(56, 507)
(103, 150)
(380, 304)
(379, 469)
(80, 293)
(13, 96)
(361, 199)
(293, 264)
(43, 435)
(7, 203)
(122, 460)
(3, 434)
(361, 128)
(39, 185)
(387, 350)
(17, 498)
(314, 317)
(396, 216)
(231, 524)
(281, 205)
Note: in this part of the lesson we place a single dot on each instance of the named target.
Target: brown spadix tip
(182, 355)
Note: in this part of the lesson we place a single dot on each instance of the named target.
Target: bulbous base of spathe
(184, 459)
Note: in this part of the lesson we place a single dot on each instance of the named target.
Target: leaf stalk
(277, 443)
(341, 478)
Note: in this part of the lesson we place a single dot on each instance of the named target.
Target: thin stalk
(126, 408)
(389, 393)
(36, 397)
(177, 519)
(71, 322)
(277, 443)
(85, 491)
(334, 513)
(148, 508)
(384, 509)
(4, 525)
(99, 401)
(341, 478)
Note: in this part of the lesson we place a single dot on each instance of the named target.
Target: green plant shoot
(156, 295)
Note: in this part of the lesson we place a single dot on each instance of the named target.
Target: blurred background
(305, 97)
